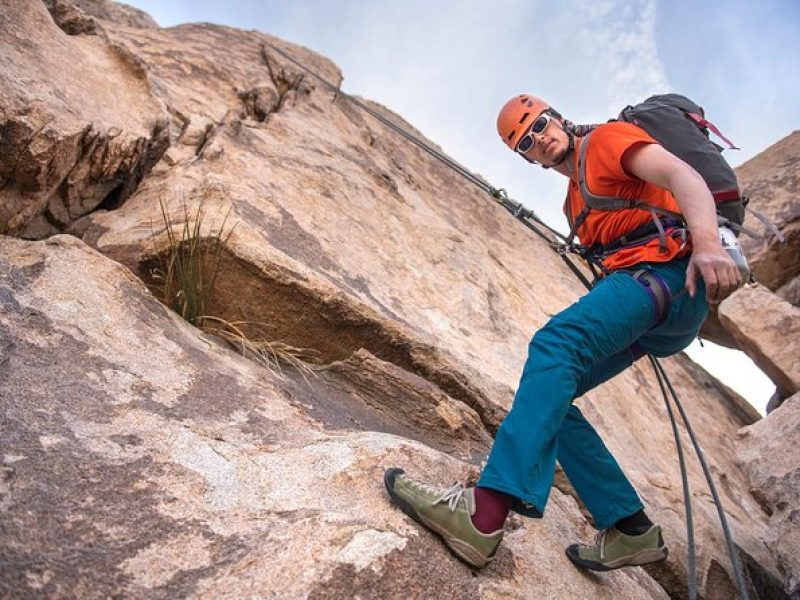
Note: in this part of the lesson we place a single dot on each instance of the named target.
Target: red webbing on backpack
(702, 122)
(726, 196)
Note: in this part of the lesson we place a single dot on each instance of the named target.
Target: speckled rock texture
(768, 327)
(767, 451)
(143, 459)
(772, 180)
(139, 458)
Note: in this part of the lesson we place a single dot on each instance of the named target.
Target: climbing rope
(687, 501)
(561, 245)
(707, 472)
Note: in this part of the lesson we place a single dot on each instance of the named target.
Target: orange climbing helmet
(517, 115)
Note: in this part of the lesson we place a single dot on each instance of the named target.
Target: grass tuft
(188, 271)
(185, 277)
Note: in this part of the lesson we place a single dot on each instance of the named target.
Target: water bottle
(728, 240)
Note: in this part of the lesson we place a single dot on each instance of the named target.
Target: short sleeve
(607, 146)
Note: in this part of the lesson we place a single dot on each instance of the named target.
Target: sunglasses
(539, 125)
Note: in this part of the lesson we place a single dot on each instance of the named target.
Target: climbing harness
(657, 290)
(563, 245)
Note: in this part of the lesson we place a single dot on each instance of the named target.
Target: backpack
(680, 126)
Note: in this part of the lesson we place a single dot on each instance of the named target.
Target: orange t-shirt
(606, 177)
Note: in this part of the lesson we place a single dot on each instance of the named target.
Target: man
(599, 336)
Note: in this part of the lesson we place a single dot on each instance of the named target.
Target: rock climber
(618, 321)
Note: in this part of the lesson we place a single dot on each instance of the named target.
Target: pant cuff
(619, 512)
(498, 485)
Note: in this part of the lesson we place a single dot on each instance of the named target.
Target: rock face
(140, 458)
(80, 125)
(195, 472)
(767, 451)
(772, 180)
(768, 329)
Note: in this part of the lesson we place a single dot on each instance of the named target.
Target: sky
(448, 67)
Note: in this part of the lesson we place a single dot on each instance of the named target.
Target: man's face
(549, 144)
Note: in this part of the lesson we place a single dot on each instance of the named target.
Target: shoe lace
(451, 495)
(600, 540)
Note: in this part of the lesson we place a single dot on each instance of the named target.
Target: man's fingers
(723, 285)
(691, 277)
(712, 284)
(712, 292)
(734, 278)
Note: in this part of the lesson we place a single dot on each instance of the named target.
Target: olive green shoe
(446, 512)
(613, 549)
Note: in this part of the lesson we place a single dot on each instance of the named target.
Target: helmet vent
(524, 117)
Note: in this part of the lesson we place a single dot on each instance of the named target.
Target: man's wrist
(705, 240)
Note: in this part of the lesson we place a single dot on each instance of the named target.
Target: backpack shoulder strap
(591, 200)
(611, 202)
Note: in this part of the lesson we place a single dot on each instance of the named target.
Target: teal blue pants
(578, 349)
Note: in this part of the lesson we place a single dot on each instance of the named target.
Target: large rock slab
(767, 452)
(141, 459)
(767, 328)
(79, 125)
(772, 180)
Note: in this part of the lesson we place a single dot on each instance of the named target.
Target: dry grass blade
(270, 354)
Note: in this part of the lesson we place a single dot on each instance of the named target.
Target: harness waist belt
(641, 234)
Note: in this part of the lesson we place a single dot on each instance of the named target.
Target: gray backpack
(680, 126)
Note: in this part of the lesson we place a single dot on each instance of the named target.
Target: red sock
(491, 509)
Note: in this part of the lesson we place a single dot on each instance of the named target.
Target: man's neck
(567, 166)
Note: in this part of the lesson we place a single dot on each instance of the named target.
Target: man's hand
(710, 261)
(720, 273)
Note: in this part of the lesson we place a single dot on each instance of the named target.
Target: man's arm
(652, 163)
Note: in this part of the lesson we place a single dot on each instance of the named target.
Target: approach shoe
(447, 512)
(613, 549)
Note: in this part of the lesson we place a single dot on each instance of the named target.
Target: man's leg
(605, 322)
(567, 356)
(594, 473)
(522, 464)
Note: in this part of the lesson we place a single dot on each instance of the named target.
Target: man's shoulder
(620, 129)
(611, 140)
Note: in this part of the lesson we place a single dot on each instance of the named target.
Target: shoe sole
(461, 549)
(643, 557)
